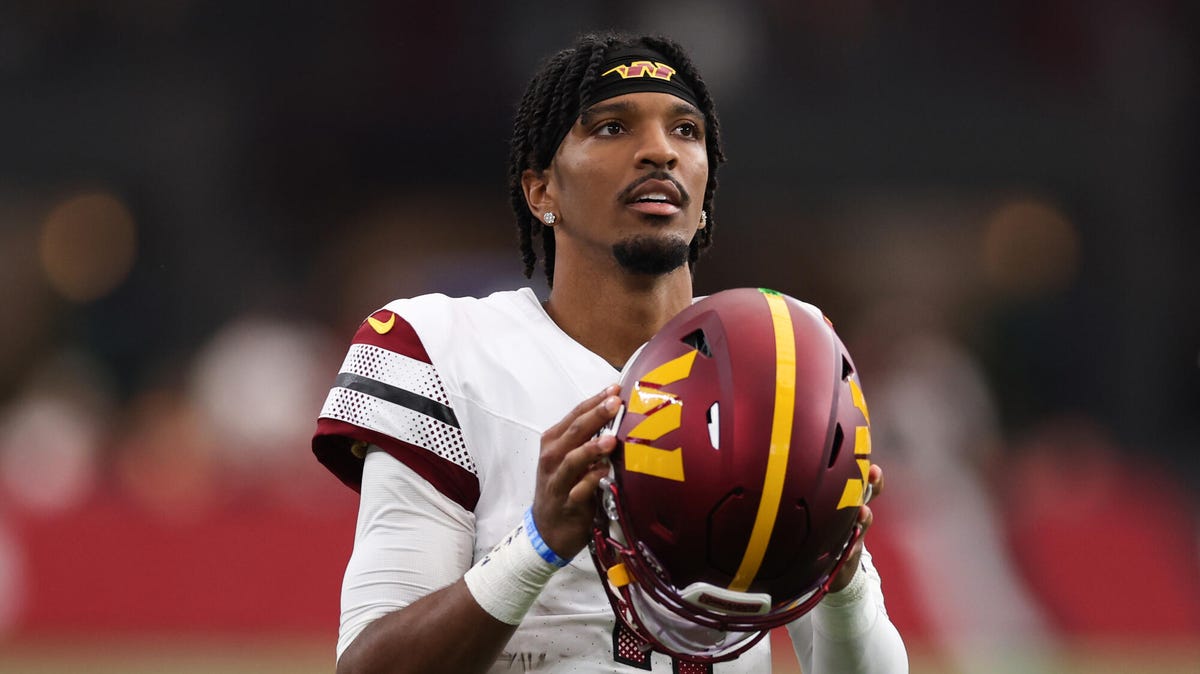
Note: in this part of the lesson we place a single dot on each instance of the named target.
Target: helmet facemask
(687, 623)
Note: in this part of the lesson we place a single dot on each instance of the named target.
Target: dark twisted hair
(550, 107)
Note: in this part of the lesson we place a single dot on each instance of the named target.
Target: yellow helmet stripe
(781, 441)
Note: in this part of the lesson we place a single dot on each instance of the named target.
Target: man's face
(629, 180)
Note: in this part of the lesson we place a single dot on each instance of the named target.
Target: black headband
(634, 69)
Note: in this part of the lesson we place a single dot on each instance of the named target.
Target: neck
(612, 315)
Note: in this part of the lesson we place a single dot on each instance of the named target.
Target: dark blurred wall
(249, 140)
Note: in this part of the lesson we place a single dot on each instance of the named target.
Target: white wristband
(509, 579)
(852, 593)
(850, 612)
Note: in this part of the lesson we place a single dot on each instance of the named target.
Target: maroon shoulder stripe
(388, 331)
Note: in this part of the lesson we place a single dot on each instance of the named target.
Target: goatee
(651, 255)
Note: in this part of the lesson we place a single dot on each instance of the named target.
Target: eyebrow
(601, 109)
(625, 107)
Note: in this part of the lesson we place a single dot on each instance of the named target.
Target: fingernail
(612, 403)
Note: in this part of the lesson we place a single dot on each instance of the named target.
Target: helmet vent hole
(836, 449)
(713, 416)
(847, 368)
(698, 341)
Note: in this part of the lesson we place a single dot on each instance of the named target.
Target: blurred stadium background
(995, 202)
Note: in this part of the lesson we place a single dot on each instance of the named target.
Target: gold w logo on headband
(659, 71)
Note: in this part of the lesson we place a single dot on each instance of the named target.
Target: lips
(656, 197)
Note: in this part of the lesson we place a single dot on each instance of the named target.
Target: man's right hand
(572, 461)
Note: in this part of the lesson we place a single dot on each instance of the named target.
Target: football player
(459, 421)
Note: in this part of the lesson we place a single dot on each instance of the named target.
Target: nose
(657, 150)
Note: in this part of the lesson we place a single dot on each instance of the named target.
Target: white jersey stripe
(408, 423)
(396, 369)
(400, 422)
(400, 396)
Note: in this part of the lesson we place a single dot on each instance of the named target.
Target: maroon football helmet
(742, 459)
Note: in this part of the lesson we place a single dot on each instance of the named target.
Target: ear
(538, 192)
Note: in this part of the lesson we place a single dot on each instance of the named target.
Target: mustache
(684, 197)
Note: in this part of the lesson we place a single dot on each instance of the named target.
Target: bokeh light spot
(87, 245)
(1030, 249)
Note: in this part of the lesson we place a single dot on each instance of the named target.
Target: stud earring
(548, 218)
(703, 219)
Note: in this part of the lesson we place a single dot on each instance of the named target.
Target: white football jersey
(459, 391)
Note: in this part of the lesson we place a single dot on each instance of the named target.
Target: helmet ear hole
(847, 368)
(836, 449)
(713, 416)
(698, 341)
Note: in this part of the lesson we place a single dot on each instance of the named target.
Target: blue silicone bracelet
(543, 550)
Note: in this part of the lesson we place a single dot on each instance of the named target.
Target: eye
(688, 130)
(610, 128)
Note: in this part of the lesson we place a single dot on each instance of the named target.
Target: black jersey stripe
(398, 396)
